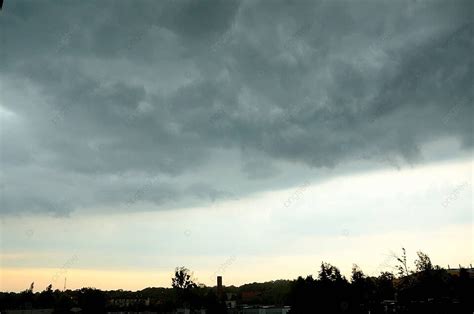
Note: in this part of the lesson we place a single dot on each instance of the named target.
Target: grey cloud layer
(115, 102)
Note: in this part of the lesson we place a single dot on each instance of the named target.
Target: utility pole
(65, 283)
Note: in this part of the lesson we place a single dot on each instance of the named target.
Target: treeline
(91, 300)
(427, 290)
(424, 289)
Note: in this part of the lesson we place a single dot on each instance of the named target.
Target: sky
(248, 139)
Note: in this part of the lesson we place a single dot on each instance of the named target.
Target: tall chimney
(219, 286)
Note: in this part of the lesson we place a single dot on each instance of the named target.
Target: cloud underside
(178, 102)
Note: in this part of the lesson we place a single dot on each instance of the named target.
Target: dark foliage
(428, 289)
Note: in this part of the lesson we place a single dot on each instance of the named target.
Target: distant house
(231, 304)
(231, 300)
(125, 302)
(457, 271)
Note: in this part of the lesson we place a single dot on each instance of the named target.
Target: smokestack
(219, 286)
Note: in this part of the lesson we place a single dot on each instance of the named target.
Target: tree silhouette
(92, 300)
(402, 266)
(183, 284)
(423, 262)
(357, 274)
(46, 297)
(183, 279)
(32, 286)
(329, 273)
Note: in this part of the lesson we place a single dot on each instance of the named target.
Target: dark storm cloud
(114, 103)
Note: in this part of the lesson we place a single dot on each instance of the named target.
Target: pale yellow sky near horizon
(426, 208)
(446, 246)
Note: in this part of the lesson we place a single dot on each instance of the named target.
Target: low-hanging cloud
(174, 103)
